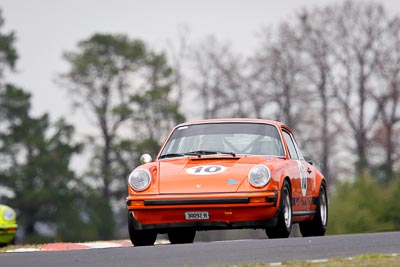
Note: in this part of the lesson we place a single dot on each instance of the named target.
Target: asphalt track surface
(213, 253)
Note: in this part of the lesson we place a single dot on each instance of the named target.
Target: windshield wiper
(197, 153)
(200, 153)
(171, 155)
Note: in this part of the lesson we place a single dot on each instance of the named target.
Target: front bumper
(226, 211)
(7, 233)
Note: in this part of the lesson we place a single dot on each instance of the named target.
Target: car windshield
(224, 138)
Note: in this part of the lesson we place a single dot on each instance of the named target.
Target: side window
(291, 145)
(298, 150)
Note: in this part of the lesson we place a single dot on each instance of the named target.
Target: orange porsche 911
(226, 174)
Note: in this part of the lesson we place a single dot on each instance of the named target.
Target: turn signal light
(257, 200)
(136, 203)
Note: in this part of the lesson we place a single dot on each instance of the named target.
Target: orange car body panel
(230, 200)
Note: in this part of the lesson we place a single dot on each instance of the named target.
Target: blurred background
(86, 87)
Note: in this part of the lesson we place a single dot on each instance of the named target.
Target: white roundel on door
(303, 177)
(206, 169)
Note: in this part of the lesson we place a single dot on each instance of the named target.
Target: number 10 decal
(206, 170)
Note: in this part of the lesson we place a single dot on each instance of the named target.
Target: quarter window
(291, 146)
(301, 157)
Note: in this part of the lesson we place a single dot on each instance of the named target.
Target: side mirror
(309, 160)
(145, 158)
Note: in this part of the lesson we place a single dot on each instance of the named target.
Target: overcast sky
(46, 28)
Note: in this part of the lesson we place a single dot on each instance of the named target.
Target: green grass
(367, 260)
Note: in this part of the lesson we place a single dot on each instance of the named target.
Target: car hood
(205, 174)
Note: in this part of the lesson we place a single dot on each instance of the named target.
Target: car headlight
(9, 215)
(139, 180)
(259, 176)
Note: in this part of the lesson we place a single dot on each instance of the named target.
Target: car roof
(224, 120)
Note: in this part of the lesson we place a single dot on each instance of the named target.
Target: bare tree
(218, 80)
(279, 70)
(316, 42)
(179, 54)
(358, 37)
(258, 83)
(387, 97)
(331, 75)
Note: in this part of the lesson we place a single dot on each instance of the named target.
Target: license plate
(197, 215)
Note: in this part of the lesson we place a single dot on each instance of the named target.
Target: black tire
(181, 236)
(317, 227)
(284, 224)
(12, 242)
(140, 237)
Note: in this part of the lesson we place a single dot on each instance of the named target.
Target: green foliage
(393, 207)
(361, 206)
(121, 84)
(125, 89)
(93, 222)
(8, 53)
(36, 156)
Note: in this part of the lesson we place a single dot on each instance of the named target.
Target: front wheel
(140, 237)
(317, 227)
(284, 225)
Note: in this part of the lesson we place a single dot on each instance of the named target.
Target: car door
(303, 181)
(310, 179)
